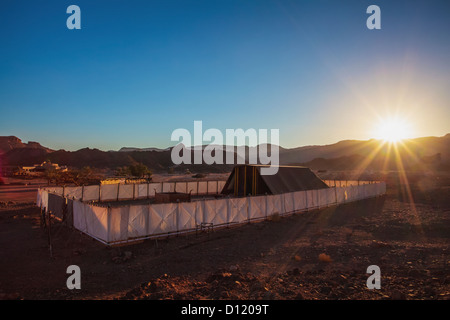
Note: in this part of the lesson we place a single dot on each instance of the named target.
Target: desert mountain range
(344, 155)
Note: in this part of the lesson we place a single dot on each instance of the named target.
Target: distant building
(112, 180)
(39, 168)
(123, 180)
(44, 166)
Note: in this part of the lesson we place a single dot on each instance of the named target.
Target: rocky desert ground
(316, 255)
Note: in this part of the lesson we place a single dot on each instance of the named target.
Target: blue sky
(137, 70)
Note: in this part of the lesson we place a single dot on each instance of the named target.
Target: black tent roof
(247, 180)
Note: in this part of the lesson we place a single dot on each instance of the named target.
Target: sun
(393, 130)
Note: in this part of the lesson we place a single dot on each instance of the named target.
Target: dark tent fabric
(61, 207)
(247, 180)
(56, 205)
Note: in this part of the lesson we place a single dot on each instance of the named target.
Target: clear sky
(137, 70)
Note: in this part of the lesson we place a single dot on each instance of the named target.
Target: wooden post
(306, 200)
(266, 204)
(49, 234)
(335, 191)
(177, 217)
(42, 217)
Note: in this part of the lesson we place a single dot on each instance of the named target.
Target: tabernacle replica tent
(247, 180)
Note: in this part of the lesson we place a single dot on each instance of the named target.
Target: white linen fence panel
(312, 199)
(142, 191)
(56, 190)
(118, 224)
(168, 187)
(154, 188)
(113, 192)
(91, 220)
(90, 193)
(215, 211)
(274, 205)
(340, 194)
(220, 185)
(187, 215)
(202, 187)
(300, 200)
(181, 187)
(288, 201)
(238, 210)
(109, 192)
(137, 221)
(326, 197)
(126, 191)
(192, 187)
(162, 218)
(212, 187)
(72, 192)
(42, 198)
(257, 207)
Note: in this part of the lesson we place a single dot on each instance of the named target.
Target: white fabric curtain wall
(312, 199)
(257, 207)
(91, 220)
(90, 193)
(109, 192)
(289, 205)
(39, 198)
(187, 215)
(237, 210)
(274, 205)
(154, 188)
(300, 200)
(168, 187)
(220, 185)
(142, 191)
(202, 187)
(162, 218)
(118, 224)
(215, 211)
(126, 191)
(72, 192)
(181, 187)
(212, 187)
(139, 221)
(192, 188)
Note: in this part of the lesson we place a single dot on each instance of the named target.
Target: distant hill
(130, 149)
(429, 153)
(343, 155)
(419, 147)
(11, 142)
